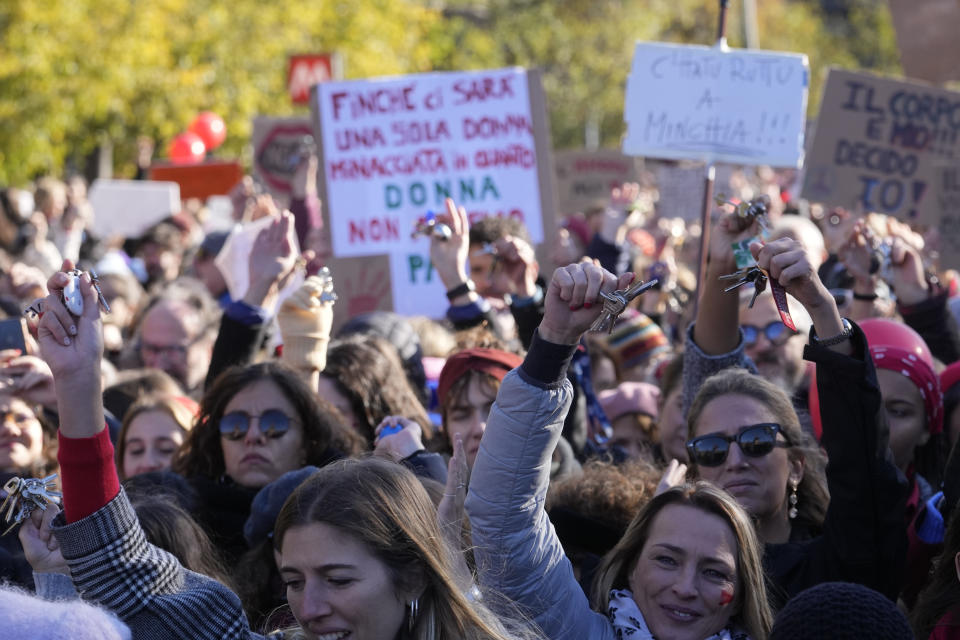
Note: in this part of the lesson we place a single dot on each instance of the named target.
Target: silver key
(616, 303)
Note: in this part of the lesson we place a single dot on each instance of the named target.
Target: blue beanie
(268, 502)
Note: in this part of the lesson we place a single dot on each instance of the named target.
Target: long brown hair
(813, 496)
(170, 405)
(750, 606)
(384, 507)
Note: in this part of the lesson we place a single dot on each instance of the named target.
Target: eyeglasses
(273, 423)
(168, 350)
(755, 441)
(776, 333)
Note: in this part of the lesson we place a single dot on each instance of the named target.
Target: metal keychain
(70, 296)
(616, 303)
(429, 226)
(26, 494)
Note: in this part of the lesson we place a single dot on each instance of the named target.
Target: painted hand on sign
(366, 291)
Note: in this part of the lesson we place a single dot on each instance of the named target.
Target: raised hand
(272, 260)
(573, 300)
(517, 267)
(787, 263)
(70, 345)
(449, 257)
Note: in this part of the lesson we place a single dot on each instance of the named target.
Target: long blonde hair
(383, 506)
(751, 609)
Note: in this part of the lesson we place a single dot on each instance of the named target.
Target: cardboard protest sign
(946, 190)
(391, 150)
(210, 178)
(278, 146)
(710, 104)
(585, 178)
(927, 36)
(879, 143)
(129, 207)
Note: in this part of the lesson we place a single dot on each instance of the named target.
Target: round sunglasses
(755, 441)
(273, 423)
(775, 332)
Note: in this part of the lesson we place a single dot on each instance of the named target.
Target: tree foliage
(74, 73)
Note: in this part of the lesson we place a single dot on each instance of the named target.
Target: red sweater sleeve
(88, 474)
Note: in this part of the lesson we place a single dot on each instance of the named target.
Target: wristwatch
(837, 339)
(461, 289)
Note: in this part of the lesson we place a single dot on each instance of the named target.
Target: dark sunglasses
(776, 333)
(273, 423)
(756, 441)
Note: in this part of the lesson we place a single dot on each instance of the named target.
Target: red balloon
(211, 129)
(186, 148)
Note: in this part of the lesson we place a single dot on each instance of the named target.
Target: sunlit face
(685, 580)
(758, 484)
(337, 588)
(170, 340)
(21, 436)
(673, 427)
(150, 442)
(257, 459)
(783, 363)
(467, 415)
(906, 415)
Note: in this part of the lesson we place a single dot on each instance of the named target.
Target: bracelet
(460, 290)
(866, 297)
(837, 339)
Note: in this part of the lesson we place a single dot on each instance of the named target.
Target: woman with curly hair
(255, 424)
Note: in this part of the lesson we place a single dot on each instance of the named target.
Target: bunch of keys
(71, 297)
(753, 274)
(759, 277)
(616, 303)
(25, 495)
(429, 227)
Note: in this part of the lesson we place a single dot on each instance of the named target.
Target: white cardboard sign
(715, 105)
(395, 148)
(129, 207)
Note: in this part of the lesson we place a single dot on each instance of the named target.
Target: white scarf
(628, 623)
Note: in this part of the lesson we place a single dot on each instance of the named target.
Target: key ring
(616, 303)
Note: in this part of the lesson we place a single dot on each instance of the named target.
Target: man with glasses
(775, 349)
(176, 338)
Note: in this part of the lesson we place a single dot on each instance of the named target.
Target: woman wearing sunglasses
(745, 437)
(688, 567)
(255, 423)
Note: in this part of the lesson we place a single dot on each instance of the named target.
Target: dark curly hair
(324, 434)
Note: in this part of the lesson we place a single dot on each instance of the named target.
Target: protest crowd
(639, 441)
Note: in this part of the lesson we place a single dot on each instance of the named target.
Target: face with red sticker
(685, 577)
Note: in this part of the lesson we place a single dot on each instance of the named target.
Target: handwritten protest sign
(130, 207)
(704, 103)
(278, 144)
(927, 35)
(879, 143)
(947, 192)
(585, 178)
(391, 150)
